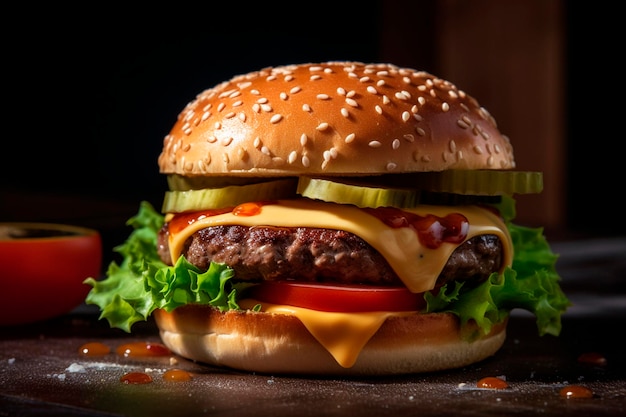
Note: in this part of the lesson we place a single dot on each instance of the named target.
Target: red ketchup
(431, 230)
(182, 220)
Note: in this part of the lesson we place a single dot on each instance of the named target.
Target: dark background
(89, 93)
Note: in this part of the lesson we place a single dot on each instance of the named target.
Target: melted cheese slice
(343, 335)
(416, 265)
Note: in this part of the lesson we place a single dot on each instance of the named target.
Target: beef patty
(319, 255)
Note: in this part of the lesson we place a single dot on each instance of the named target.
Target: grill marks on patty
(319, 255)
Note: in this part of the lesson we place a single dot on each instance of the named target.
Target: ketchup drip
(431, 230)
(182, 220)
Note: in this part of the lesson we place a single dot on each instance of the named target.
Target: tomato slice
(337, 297)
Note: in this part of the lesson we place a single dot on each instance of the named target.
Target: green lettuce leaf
(531, 284)
(141, 283)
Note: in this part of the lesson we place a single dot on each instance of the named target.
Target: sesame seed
(386, 100)
(322, 126)
(490, 161)
(221, 107)
(295, 90)
(351, 93)
(306, 108)
(276, 118)
(420, 131)
(315, 77)
(464, 107)
(305, 161)
(262, 100)
(242, 153)
(323, 96)
(374, 144)
(463, 124)
(217, 126)
(371, 90)
(395, 144)
(349, 138)
(255, 92)
(391, 166)
(421, 100)
(406, 116)
(265, 150)
(292, 157)
(409, 138)
(256, 108)
(477, 149)
(186, 147)
(378, 109)
(257, 142)
(445, 106)
(205, 115)
(266, 108)
(452, 146)
(229, 115)
(283, 96)
(242, 116)
(417, 117)
(235, 94)
(380, 83)
(211, 139)
(227, 141)
(345, 112)
(352, 102)
(289, 78)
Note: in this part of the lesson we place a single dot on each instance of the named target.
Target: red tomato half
(338, 298)
(42, 269)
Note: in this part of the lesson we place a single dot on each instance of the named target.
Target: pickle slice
(482, 182)
(229, 196)
(467, 182)
(177, 182)
(358, 194)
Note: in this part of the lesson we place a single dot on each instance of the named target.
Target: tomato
(42, 269)
(337, 297)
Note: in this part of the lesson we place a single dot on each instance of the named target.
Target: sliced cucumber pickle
(469, 182)
(360, 195)
(177, 182)
(228, 196)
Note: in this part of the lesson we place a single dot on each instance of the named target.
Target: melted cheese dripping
(416, 265)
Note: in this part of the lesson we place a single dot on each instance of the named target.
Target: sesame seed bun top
(334, 118)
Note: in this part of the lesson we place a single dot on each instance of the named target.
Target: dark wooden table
(42, 373)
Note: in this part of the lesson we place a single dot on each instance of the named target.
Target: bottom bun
(281, 344)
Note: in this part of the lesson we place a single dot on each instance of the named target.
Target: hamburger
(335, 218)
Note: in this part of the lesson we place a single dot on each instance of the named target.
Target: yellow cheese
(343, 335)
(416, 265)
